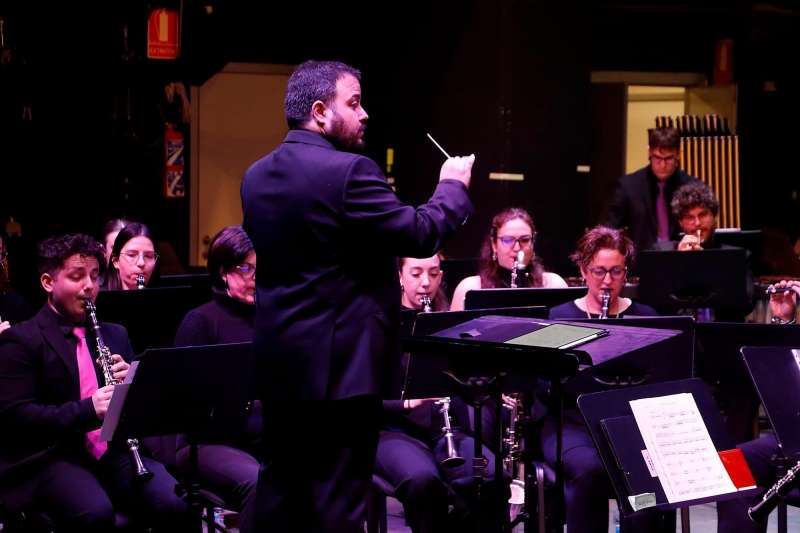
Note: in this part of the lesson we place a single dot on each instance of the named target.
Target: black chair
(376, 505)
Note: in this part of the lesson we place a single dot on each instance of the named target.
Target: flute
(776, 290)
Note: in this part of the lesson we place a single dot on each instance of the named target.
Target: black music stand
(514, 368)
(493, 298)
(714, 278)
(671, 358)
(151, 315)
(719, 363)
(429, 323)
(776, 376)
(610, 411)
(485, 367)
(199, 391)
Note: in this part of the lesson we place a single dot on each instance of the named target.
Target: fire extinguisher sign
(174, 183)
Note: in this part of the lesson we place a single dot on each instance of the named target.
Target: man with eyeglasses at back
(641, 201)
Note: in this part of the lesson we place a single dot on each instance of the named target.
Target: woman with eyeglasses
(132, 256)
(603, 256)
(229, 316)
(512, 231)
(227, 467)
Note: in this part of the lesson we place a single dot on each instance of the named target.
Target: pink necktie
(662, 217)
(88, 383)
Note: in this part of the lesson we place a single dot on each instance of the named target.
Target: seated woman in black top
(603, 256)
(411, 446)
(226, 467)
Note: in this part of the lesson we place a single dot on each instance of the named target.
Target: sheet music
(683, 454)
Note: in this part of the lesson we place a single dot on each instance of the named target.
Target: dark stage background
(506, 79)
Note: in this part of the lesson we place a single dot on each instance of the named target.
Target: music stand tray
(717, 278)
(525, 297)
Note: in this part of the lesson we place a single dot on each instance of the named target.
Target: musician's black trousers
(83, 494)
(411, 467)
(317, 469)
(586, 484)
(732, 514)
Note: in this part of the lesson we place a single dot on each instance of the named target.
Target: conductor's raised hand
(458, 168)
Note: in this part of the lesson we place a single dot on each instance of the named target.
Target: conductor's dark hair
(312, 81)
(54, 251)
(228, 248)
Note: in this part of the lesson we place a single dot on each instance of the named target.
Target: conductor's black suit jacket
(41, 412)
(327, 231)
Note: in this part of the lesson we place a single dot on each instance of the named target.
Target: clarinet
(760, 511)
(140, 281)
(605, 299)
(140, 471)
(452, 458)
(516, 268)
(425, 300)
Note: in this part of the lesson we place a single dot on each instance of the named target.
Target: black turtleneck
(220, 321)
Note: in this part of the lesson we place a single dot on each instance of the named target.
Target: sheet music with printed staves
(682, 452)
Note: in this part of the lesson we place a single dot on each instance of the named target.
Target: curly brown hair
(602, 238)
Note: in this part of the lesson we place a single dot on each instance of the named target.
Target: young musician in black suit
(53, 401)
(226, 464)
(642, 199)
(326, 318)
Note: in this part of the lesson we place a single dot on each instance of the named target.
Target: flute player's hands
(783, 305)
(458, 168)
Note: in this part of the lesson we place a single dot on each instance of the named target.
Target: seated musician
(412, 446)
(696, 208)
(512, 231)
(110, 231)
(603, 256)
(133, 259)
(227, 466)
(13, 308)
(53, 401)
(732, 514)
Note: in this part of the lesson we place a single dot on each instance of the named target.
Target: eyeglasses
(509, 241)
(599, 273)
(670, 159)
(247, 270)
(704, 214)
(133, 257)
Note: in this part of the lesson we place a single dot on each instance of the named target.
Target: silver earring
(494, 256)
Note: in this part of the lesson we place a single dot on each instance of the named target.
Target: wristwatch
(779, 320)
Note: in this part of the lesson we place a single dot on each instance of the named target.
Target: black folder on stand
(611, 423)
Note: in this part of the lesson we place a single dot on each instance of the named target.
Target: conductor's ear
(321, 114)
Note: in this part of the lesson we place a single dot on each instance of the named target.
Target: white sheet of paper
(683, 454)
